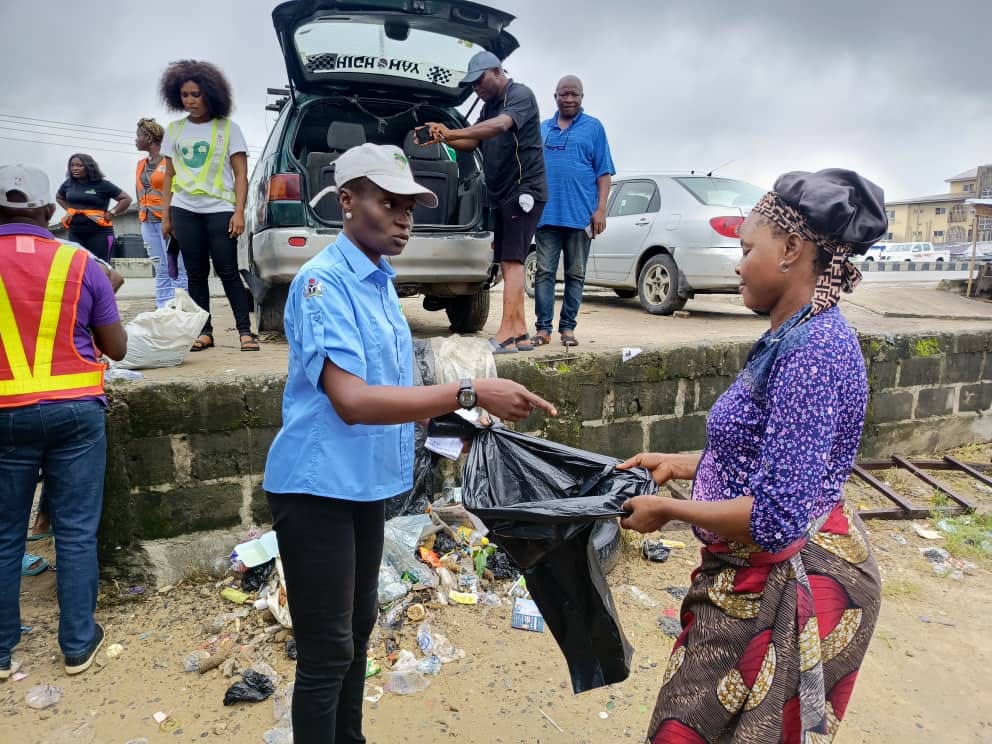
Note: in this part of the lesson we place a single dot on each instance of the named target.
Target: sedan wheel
(657, 286)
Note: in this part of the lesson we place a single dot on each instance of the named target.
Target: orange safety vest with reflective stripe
(39, 360)
(97, 215)
(150, 199)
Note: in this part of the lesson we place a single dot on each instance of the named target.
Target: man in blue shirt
(346, 442)
(578, 165)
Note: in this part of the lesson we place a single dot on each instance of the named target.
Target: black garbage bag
(253, 688)
(540, 501)
(417, 499)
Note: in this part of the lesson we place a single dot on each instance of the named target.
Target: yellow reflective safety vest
(209, 179)
(40, 283)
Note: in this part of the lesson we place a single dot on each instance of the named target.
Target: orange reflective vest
(150, 199)
(38, 356)
(97, 215)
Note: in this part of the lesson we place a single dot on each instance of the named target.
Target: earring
(783, 267)
(348, 215)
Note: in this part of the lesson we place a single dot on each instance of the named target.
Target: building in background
(943, 218)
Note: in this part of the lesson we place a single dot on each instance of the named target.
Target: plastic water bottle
(42, 696)
(430, 665)
(405, 683)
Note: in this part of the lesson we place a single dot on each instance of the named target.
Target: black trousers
(97, 240)
(204, 238)
(330, 550)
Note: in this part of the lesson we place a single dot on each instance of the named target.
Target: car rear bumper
(710, 268)
(428, 259)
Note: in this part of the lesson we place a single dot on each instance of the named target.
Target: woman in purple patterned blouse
(783, 605)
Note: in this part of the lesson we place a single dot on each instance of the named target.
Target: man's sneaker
(11, 668)
(78, 664)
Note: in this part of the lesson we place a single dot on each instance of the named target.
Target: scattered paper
(926, 533)
(18, 676)
(449, 447)
(630, 352)
(258, 551)
(159, 717)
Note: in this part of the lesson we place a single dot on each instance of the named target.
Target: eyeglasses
(563, 144)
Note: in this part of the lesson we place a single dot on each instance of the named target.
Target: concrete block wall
(187, 459)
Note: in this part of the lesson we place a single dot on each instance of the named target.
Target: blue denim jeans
(552, 242)
(165, 286)
(68, 441)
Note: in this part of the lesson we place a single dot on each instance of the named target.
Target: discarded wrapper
(526, 616)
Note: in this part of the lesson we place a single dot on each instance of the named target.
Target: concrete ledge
(135, 268)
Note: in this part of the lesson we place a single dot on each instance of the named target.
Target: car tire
(468, 313)
(606, 539)
(869, 259)
(530, 271)
(657, 285)
(269, 313)
(625, 294)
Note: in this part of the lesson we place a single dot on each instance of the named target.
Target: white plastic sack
(457, 356)
(162, 338)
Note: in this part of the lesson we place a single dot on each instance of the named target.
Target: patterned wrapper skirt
(771, 643)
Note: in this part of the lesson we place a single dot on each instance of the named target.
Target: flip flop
(40, 536)
(200, 345)
(503, 347)
(523, 343)
(569, 339)
(251, 344)
(541, 338)
(32, 565)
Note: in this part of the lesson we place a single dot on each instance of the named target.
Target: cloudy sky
(898, 91)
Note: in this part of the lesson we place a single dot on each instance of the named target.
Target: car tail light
(728, 227)
(284, 187)
(297, 242)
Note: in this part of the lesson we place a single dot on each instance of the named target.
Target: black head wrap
(837, 210)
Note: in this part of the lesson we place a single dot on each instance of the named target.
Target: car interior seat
(341, 136)
(432, 167)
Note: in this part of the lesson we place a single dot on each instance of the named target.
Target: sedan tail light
(284, 187)
(728, 227)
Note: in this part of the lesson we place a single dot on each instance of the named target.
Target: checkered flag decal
(321, 62)
(439, 75)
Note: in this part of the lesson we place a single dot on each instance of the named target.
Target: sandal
(541, 338)
(32, 565)
(251, 344)
(568, 339)
(40, 535)
(200, 344)
(523, 342)
(503, 347)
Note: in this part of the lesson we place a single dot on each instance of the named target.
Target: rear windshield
(722, 192)
(342, 46)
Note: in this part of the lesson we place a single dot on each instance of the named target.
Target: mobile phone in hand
(422, 135)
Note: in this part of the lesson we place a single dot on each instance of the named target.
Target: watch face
(467, 398)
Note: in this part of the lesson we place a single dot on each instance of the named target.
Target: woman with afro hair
(205, 189)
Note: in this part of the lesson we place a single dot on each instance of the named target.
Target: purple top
(787, 430)
(96, 307)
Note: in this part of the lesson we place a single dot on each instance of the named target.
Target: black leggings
(202, 238)
(99, 241)
(330, 550)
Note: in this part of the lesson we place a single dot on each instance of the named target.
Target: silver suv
(371, 72)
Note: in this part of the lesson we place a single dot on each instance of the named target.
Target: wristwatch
(466, 393)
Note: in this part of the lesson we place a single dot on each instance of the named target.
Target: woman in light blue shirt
(346, 443)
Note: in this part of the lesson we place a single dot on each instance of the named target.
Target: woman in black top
(85, 195)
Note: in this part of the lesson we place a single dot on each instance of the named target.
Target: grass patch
(900, 588)
(967, 535)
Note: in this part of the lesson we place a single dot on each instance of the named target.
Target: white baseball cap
(31, 182)
(384, 165)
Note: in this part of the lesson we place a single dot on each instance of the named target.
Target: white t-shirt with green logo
(192, 146)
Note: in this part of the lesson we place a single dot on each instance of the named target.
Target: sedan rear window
(721, 192)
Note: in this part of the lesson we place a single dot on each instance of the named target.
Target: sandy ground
(926, 678)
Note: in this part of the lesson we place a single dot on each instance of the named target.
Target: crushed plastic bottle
(424, 638)
(405, 683)
(641, 596)
(430, 665)
(391, 586)
(445, 650)
(40, 697)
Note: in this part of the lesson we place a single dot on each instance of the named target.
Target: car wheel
(940, 260)
(468, 313)
(657, 286)
(625, 294)
(530, 272)
(269, 313)
(869, 259)
(606, 539)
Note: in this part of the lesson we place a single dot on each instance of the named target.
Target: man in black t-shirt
(509, 134)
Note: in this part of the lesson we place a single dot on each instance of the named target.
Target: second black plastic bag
(540, 500)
